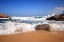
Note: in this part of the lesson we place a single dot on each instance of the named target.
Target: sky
(31, 7)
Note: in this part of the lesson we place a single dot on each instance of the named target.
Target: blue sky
(29, 7)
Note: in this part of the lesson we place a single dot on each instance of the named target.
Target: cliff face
(57, 17)
(4, 16)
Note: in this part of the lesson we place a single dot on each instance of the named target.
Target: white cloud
(58, 10)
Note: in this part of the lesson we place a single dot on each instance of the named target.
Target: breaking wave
(28, 24)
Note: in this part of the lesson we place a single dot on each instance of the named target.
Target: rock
(4, 16)
(57, 17)
(45, 27)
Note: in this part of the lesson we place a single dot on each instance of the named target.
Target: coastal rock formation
(45, 27)
(57, 17)
(4, 16)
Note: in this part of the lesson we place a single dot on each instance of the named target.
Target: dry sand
(36, 36)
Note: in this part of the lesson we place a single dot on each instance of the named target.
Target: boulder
(45, 27)
(4, 16)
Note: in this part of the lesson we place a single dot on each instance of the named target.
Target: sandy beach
(35, 36)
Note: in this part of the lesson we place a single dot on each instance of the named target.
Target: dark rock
(57, 17)
(45, 27)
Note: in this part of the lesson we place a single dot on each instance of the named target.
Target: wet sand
(35, 36)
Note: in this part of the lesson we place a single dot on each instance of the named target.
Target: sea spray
(13, 27)
(58, 27)
(25, 27)
(7, 28)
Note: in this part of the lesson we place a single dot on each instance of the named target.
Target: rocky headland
(57, 17)
(4, 16)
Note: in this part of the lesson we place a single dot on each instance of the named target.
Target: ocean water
(27, 24)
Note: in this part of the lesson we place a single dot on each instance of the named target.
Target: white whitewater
(32, 18)
(13, 27)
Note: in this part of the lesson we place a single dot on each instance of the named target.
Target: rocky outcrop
(45, 27)
(4, 16)
(57, 17)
